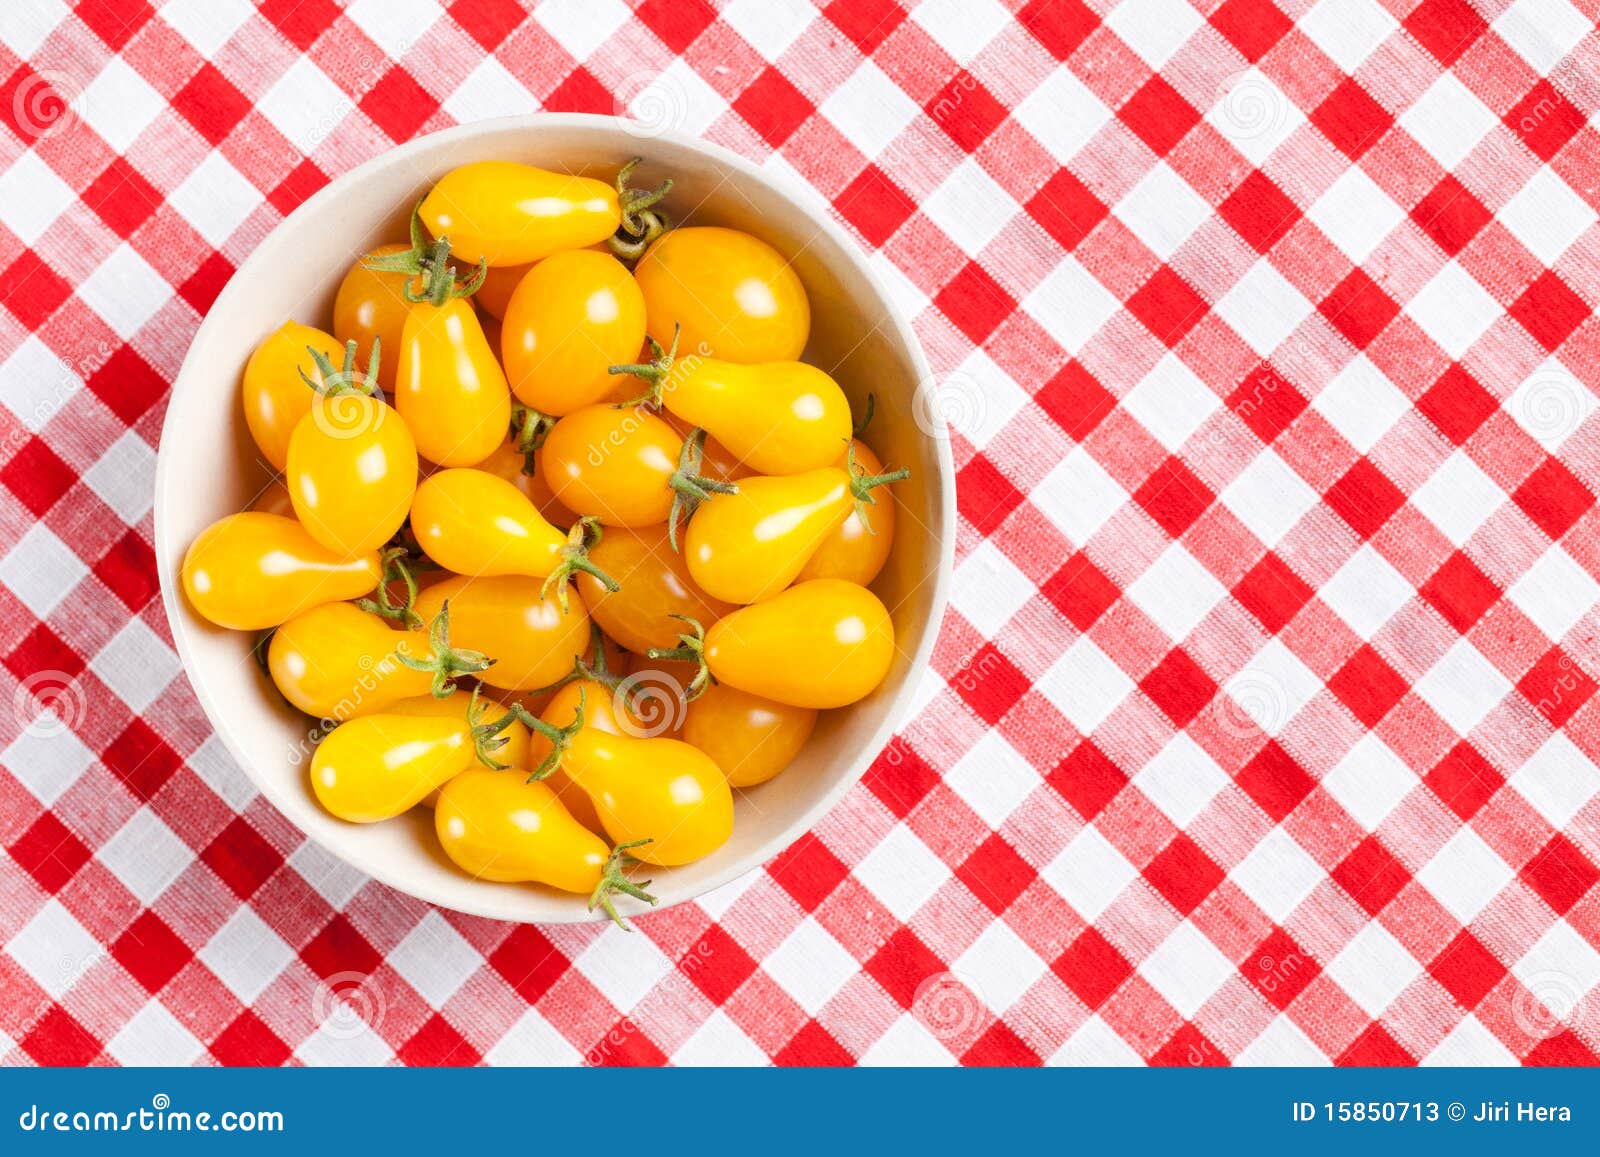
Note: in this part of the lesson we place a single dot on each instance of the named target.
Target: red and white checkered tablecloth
(1262, 726)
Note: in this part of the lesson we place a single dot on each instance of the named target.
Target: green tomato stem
(691, 648)
(612, 882)
(690, 487)
(863, 484)
(560, 737)
(585, 533)
(653, 372)
(446, 663)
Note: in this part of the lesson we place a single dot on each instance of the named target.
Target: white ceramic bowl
(203, 474)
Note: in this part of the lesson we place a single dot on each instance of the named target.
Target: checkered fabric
(1262, 726)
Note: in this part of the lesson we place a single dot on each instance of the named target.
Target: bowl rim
(928, 418)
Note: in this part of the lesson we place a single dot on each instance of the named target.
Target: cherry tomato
(505, 829)
(465, 709)
(351, 472)
(823, 643)
(857, 548)
(371, 303)
(377, 766)
(511, 463)
(507, 213)
(735, 297)
(473, 523)
(775, 417)
(276, 397)
(752, 739)
(251, 571)
(571, 318)
(495, 293)
(625, 467)
(748, 546)
(337, 661)
(531, 639)
(659, 790)
(654, 585)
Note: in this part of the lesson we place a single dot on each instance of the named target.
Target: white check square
(1269, 497)
(1171, 401)
(1453, 309)
(1361, 403)
(1085, 685)
(1465, 875)
(1181, 779)
(1264, 307)
(1463, 687)
(1078, 496)
(1177, 592)
(1366, 591)
(1448, 120)
(1555, 592)
(1458, 497)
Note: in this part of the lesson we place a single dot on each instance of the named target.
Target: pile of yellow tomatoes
(564, 540)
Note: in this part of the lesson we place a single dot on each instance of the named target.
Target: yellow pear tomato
(337, 661)
(572, 317)
(252, 571)
(449, 387)
(775, 417)
(352, 466)
(474, 523)
(275, 394)
(375, 767)
(370, 306)
(733, 296)
(655, 592)
(660, 790)
(752, 739)
(748, 546)
(508, 213)
(342, 660)
(856, 549)
(823, 643)
(506, 829)
(531, 638)
(625, 467)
